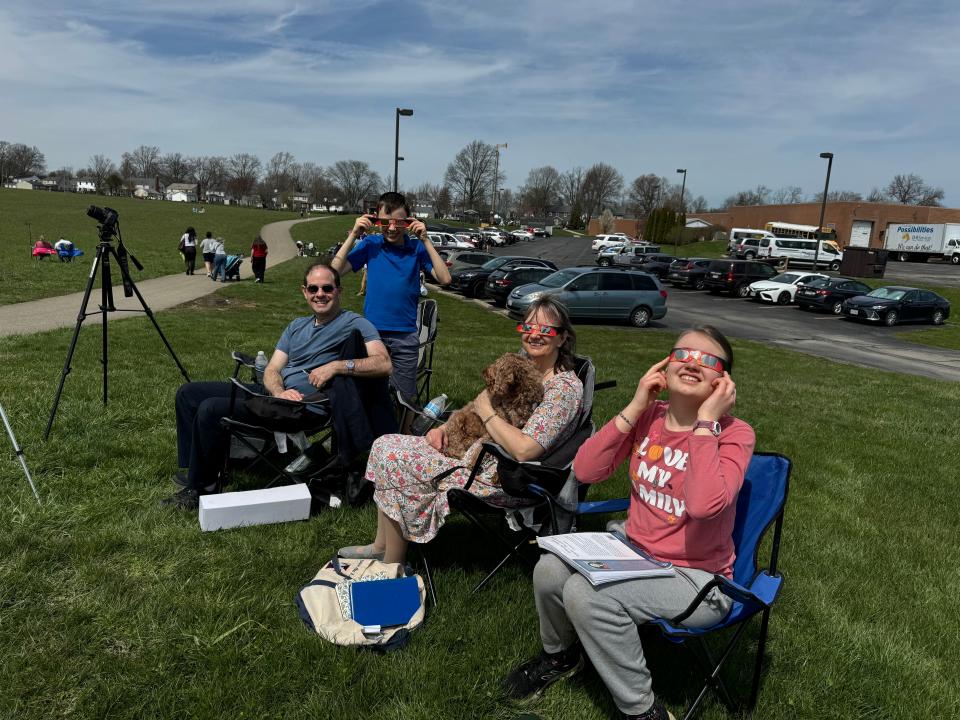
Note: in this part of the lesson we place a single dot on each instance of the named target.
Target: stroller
(232, 267)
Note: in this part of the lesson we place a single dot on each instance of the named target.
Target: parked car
(657, 264)
(605, 256)
(781, 288)
(735, 248)
(522, 235)
(735, 276)
(689, 272)
(472, 280)
(629, 254)
(597, 293)
(446, 240)
(502, 281)
(894, 303)
(460, 259)
(602, 241)
(829, 293)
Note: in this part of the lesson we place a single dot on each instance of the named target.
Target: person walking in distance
(208, 248)
(188, 248)
(258, 258)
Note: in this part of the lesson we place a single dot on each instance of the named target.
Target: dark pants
(190, 258)
(202, 444)
(259, 265)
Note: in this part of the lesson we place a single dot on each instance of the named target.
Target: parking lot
(817, 334)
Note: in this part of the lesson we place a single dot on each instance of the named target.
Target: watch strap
(711, 425)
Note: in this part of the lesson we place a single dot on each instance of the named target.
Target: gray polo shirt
(309, 345)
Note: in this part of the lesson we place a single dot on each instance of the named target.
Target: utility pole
(496, 176)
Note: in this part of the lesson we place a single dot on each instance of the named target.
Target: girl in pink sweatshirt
(687, 459)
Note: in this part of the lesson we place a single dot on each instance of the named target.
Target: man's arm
(439, 271)
(273, 381)
(340, 262)
(376, 364)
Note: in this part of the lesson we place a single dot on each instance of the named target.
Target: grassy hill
(151, 230)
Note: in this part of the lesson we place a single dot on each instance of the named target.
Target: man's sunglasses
(545, 330)
(314, 289)
(387, 222)
(704, 359)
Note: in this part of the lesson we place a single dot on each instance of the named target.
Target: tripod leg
(106, 306)
(73, 341)
(19, 452)
(146, 309)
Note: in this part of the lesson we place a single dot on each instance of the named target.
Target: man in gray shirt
(306, 358)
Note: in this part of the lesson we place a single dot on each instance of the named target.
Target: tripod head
(108, 219)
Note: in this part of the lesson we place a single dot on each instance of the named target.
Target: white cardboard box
(254, 507)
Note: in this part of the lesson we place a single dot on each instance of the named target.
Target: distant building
(26, 183)
(181, 192)
(218, 197)
(252, 200)
(84, 186)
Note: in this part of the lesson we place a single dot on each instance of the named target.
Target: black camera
(107, 217)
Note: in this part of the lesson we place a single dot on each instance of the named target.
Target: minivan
(738, 235)
(801, 252)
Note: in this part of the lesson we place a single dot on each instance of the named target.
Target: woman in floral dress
(411, 505)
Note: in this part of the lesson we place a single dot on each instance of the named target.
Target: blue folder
(385, 602)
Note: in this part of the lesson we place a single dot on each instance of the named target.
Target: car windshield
(887, 293)
(495, 263)
(559, 278)
(786, 278)
(818, 282)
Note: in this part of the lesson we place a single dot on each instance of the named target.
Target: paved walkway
(160, 293)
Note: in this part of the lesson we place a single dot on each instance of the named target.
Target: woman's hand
(437, 437)
(721, 400)
(651, 384)
(482, 406)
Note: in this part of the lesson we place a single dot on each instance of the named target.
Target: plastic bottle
(431, 412)
(260, 364)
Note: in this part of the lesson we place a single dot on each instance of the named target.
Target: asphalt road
(817, 334)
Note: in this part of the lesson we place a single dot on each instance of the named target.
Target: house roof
(182, 187)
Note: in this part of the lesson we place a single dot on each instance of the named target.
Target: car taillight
(690, 266)
(663, 294)
(503, 283)
(823, 292)
(449, 263)
(730, 276)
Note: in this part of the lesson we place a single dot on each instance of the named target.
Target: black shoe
(529, 680)
(656, 712)
(180, 479)
(185, 499)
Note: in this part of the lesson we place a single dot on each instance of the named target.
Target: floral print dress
(403, 467)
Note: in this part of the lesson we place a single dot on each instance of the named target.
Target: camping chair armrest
(320, 401)
(605, 385)
(597, 507)
(242, 360)
(729, 588)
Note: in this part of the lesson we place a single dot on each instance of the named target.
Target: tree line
(472, 182)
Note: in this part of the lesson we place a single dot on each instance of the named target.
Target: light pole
(683, 207)
(496, 175)
(406, 112)
(823, 206)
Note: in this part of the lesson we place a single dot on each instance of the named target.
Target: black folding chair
(427, 320)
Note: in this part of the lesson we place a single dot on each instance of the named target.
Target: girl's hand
(437, 437)
(721, 400)
(651, 384)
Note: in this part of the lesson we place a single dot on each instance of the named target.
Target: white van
(801, 252)
(737, 237)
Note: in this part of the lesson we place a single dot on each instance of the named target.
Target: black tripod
(109, 226)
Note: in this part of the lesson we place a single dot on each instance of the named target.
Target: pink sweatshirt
(684, 487)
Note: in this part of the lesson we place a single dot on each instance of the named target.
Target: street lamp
(683, 208)
(496, 174)
(406, 112)
(823, 206)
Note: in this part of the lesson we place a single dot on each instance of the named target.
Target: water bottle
(260, 364)
(431, 412)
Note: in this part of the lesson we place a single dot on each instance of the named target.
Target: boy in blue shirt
(394, 259)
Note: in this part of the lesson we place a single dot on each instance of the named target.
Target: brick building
(860, 224)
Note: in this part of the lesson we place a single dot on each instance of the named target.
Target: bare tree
(209, 172)
(471, 174)
(643, 195)
(698, 205)
(175, 167)
(839, 196)
(144, 161)
(244, 172)
(787, 195)
(278, 172)
(912, 190)
(876, 196)
(20, 160)
(602, 185)
(100, 167)
(443, 202)
(606, 220)
(541, 190)
(355, 180)
(758, 196)
(506, 203)
(571, 185)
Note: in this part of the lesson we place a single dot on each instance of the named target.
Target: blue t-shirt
(393, 280)
(309, 345)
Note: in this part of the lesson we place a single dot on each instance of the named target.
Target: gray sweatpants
(404, 349)
(605, 619)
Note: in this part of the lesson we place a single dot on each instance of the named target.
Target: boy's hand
(362, 223)
(419, 229)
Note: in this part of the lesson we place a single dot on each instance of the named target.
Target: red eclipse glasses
(387, 222)
(704, 359)
(545, 330)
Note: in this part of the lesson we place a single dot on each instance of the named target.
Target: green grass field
(151, 230)
(112, 606)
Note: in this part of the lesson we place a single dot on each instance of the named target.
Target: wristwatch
(711, 425)
(351, 366)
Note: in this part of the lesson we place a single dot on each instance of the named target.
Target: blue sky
(740, 93)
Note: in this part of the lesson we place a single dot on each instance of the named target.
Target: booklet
(603, 557)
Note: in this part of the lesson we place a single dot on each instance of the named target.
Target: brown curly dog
(515, 387)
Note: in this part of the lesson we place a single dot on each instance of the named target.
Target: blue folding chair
(760, 504)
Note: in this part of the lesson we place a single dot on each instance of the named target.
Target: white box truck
(918, 242)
